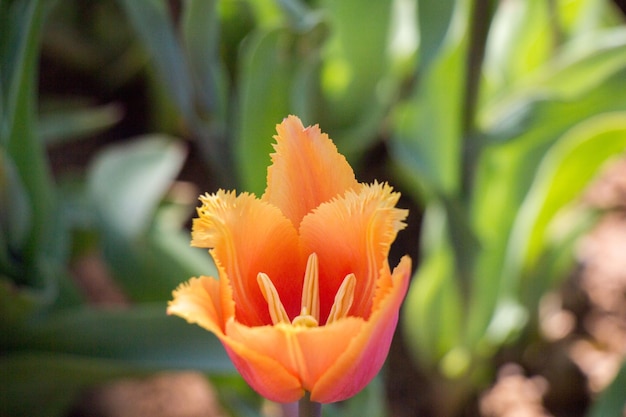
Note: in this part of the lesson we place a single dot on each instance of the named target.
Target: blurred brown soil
(172, 394)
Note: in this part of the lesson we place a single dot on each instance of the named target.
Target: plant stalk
(480, 20)
(308, 408)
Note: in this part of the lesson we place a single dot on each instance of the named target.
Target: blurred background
(503, 124)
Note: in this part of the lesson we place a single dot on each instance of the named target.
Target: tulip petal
(304, 352)
(363, 358)
(306, 170)
(265, 373)
(352, 234)
(198, 301)
(249, 236)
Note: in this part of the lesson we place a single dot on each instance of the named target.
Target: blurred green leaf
(543, 99)
(558, 255)
(191, 76)
(434, 21)
(428, 127)
(61, 126)
(370, 402)
(237, 21)
(15, 214)
(356, 60)
(267, 74)
(506, 170)
(583, 64)
(152, 21)
(16, 304)
(539, 236)
(432, 310)
(581, 18)
(151, 267)
(39, 282)
(126, 182)
(238, 399)
(61, 354)
(140, 337)
(45, 384)
(578, 68)
(267, 13)
(201, 37)
(564, 173)
(504, 178)
(523, 36)
(19, 54)
(19, 49)
(527, 36)
(37, 249)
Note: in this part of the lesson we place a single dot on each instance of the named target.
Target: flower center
(310, 311)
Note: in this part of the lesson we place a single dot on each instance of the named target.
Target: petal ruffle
(352, 234)
(306, 170)
(198, 301)
(249, 236)
(365, 355)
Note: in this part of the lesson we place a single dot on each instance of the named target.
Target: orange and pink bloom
(306, 299)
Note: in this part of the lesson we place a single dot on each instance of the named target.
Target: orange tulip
(306, 300)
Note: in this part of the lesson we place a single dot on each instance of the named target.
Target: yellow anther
(343, 299)
(275, 306)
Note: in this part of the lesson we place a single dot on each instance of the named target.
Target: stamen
(275, 306)
(343, 299)
(310, 289)
(310, 310)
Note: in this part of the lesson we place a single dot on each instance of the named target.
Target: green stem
(308, 408)
(481, 14)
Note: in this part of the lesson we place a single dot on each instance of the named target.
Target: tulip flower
(306, 300)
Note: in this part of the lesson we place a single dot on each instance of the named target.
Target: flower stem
(308, 408)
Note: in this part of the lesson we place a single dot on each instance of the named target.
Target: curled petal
(353, 234)
(306, 170)
(363, 358)
(249, 236)
(199, 301)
